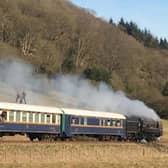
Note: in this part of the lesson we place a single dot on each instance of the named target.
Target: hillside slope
(58, 37)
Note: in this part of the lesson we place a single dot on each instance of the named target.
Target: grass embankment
(81, 154)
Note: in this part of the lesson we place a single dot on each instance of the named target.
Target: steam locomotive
(43, 122)
(143, 128)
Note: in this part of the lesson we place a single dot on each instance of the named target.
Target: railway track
(67, 142)
(21, 140)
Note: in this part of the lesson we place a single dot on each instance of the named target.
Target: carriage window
(24, 116)
(85, 121)
(113, 123)
(17, 116)
(157, 124)
(104, 122)
(118, 123)
(3, 116)
(42, 118)
(108, 122)
(79, 121)
(36, 117)
(48, 118)
(100, 122)
(73, 120)
(30, 117)
(53, 118)
(11, 116)
(82, 121)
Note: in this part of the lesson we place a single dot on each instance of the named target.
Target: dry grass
(84, 154)
(165, 129)
(80, 154)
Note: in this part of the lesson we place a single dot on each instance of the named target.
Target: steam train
(43, 122)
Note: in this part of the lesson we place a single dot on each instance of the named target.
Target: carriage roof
(32, 108)
(90, 113)
(48, 109)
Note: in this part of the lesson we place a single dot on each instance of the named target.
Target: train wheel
(40, 138)
(31, 139)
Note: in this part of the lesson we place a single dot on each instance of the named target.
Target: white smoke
(102, 97)
(21, 76)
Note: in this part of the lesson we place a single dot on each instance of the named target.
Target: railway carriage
(101, 125)
(44, 122)
(35, 121)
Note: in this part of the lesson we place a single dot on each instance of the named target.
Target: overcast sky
(150, 14)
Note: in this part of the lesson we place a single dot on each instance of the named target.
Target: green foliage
(160, 108)
(163, 113)
(163, 43)
(68, 64)
(165, 90)
(129, 89)
(97, 74)
(111, 21)
(143, 36)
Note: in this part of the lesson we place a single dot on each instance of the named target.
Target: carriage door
(65, 125)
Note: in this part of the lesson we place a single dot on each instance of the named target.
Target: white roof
(47, 109)
(26, 107)
(88, 113)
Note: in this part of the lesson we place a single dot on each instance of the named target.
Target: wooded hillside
(57, 36)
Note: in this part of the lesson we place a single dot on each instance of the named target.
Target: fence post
(143, 152)
(30, 155)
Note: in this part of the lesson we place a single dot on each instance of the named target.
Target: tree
(97, 73)
(82, 50)
(143, 36)
(68, 62)
(165, 43)
(27, 45)
(111, 21)
(165, 90)
(161, 43)
(121, 22)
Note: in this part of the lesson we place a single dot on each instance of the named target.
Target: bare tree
(82, 51)
(4, 27)
(28, 45)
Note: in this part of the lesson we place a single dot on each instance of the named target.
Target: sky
(150, 14)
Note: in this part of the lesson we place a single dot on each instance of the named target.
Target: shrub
(68, 62)
(165, 90)
(97, 74)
